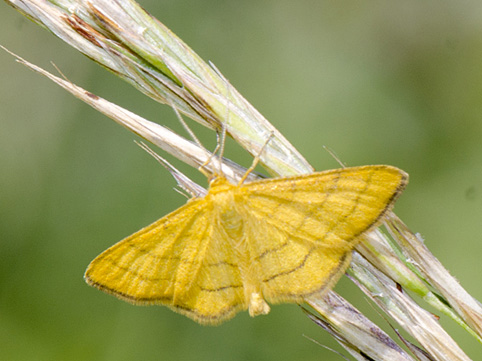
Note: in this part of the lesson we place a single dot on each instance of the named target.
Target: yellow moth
(243, 245)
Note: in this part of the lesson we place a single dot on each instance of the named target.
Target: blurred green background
(378, 82)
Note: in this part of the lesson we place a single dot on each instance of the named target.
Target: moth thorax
(232, 222)
(228, 214)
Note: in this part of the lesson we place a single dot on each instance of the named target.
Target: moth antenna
(222, 140)
(186, 127)
(256, 159)
(182, 180)
(202, 168)
(229, 88)
(218, 143)
(224, 124)
(334, 156)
